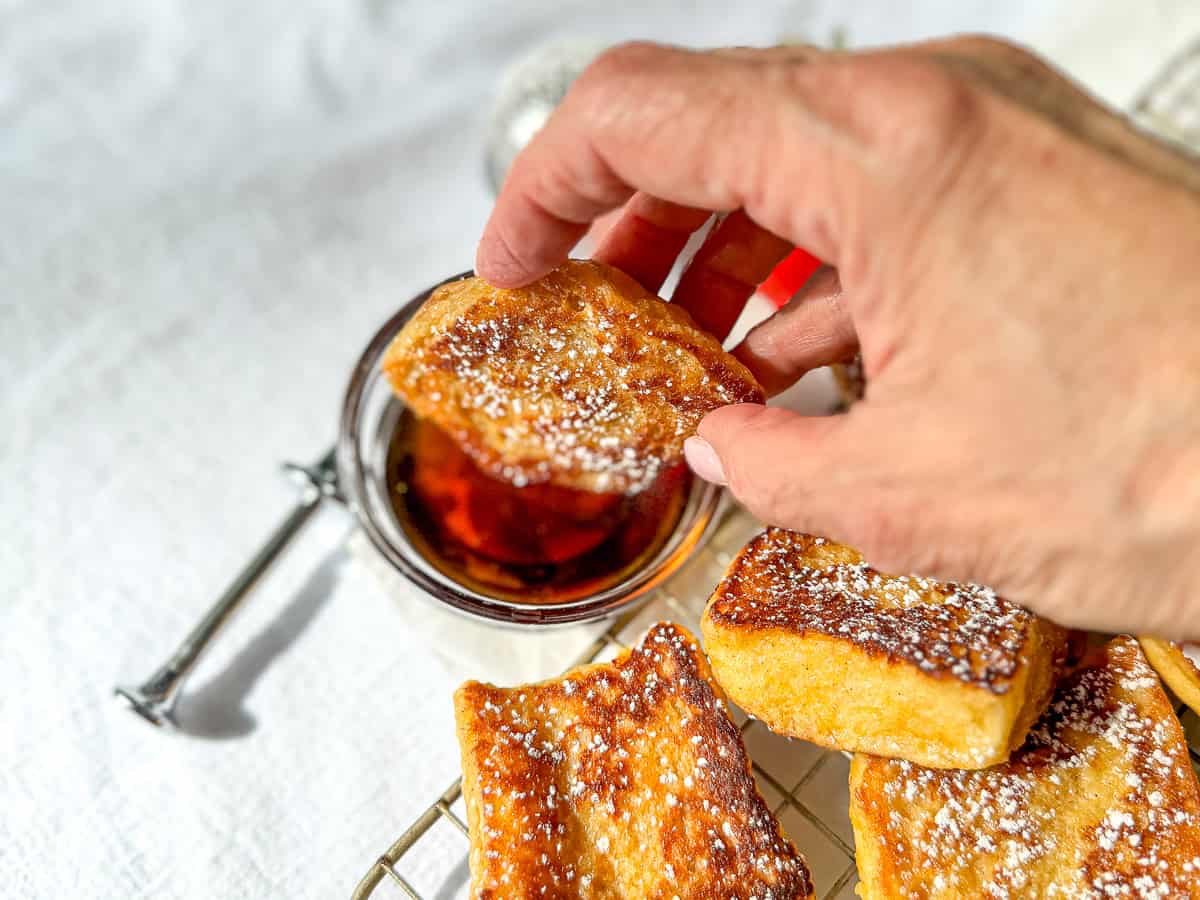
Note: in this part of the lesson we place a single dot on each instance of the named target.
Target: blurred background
(206, 209)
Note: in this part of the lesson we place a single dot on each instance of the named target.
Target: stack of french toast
(994, 755)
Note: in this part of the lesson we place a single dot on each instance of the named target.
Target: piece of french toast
(581, 379)
(1101, 801)
(803, 634)
(1178, 665)
(619, 780)
(851, 380)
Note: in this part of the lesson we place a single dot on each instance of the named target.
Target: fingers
(734, 259)
(789, 470)
(768, 457)
(824, 150)
(730, 264)
(697, 130)
(813, 330)
(648, 237)
(824, 475)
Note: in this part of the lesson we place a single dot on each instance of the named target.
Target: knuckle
(887, 98)
(924, 111)
(907, 109)
(922, 123)
(609, 96)
(616, 65)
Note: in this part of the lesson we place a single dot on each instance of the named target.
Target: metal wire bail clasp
(154, 699)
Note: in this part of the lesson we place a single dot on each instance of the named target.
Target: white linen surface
(205, 210)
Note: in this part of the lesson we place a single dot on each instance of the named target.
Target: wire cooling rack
(806, 786)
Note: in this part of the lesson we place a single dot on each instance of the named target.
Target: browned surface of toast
(805, 635)
(581, 379)
(1101, 801)
(1180, 670)
(851, 380)
(619, 780)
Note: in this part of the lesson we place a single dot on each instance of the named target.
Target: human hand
(1019, 268)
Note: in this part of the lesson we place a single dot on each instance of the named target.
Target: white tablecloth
(205, 210)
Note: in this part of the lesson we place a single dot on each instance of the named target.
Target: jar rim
(358, 484)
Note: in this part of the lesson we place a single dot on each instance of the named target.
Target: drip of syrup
(535, 544)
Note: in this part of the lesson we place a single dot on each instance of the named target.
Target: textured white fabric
(205, 210)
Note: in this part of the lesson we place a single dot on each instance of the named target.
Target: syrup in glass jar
(533, 544)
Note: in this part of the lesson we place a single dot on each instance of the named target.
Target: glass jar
(370, 413)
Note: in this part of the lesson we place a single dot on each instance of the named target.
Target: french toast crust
(622, 779)
(1180, 673)
(1100, 801)
(581, 379)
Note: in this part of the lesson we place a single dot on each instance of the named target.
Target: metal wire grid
(805, 785)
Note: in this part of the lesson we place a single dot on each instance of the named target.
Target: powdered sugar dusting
(784, 579)
(569, 380)
(627, 777)
(1100, 802)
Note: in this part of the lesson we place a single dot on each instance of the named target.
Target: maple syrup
(534, 544)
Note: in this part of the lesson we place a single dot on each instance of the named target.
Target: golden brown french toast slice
(1100, 802)
(619, 780)
(582, 379)
(803, 634)
(1178, 665)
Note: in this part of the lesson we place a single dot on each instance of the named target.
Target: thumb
(825, 475)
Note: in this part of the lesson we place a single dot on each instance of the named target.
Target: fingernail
(704, 460)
